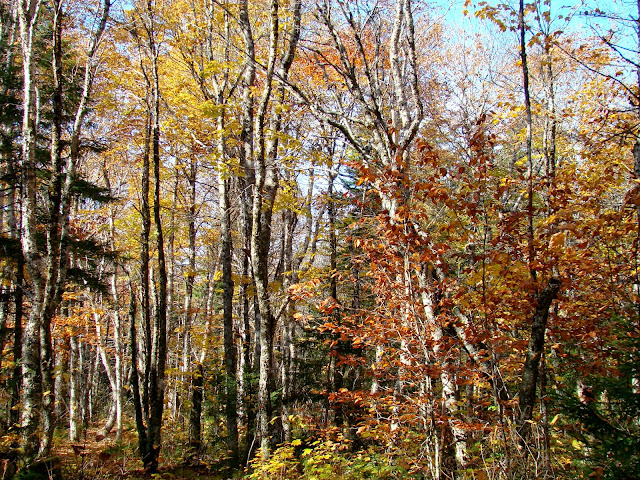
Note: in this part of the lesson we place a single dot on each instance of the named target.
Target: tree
(150, 404)
(47, 271)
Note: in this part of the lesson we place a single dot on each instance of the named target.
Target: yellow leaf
(297, 442)
(557, 241)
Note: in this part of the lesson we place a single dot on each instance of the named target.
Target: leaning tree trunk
(535, 350)
(111, 376)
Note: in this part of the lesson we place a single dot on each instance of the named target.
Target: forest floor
(104, 459)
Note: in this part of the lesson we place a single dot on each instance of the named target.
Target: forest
(328, 239)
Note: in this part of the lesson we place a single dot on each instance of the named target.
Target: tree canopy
(328, 239)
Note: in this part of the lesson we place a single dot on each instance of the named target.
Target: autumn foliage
(330, 239)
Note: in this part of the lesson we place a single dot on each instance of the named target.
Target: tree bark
(447, 379)
(530, 370)
(135, 377)
(31, 379)
(264, 192)
(47, 271)
(246, 184)
(14, 414)
(197, 386)
(157, 376)
(522, 28)
(260, 237)
(111, 376)
(195, 414)
(230, 362)
(74, 387)
(287, 349)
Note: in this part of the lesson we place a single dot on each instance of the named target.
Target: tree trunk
(248, 363)
(48, 272)
(247, 185)
(143, 413)
(60, 383)
(171, 317)
(118, 343)
(338, 351)
(449, 385)
(14, 414)
(135, 377)
(195, 414)
(230, 363)
(530, 370)
(74, 387)
(111, 376)
(189, 281)
(17, 290)
(157, 376)
(120, 354)
(264, 193)
(197, 384)
(31, 379)
(529, 138)
(287, 349)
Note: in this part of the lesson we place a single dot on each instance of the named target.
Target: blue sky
(452, 13)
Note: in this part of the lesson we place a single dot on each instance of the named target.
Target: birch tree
(47, 270)
(258, 158)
